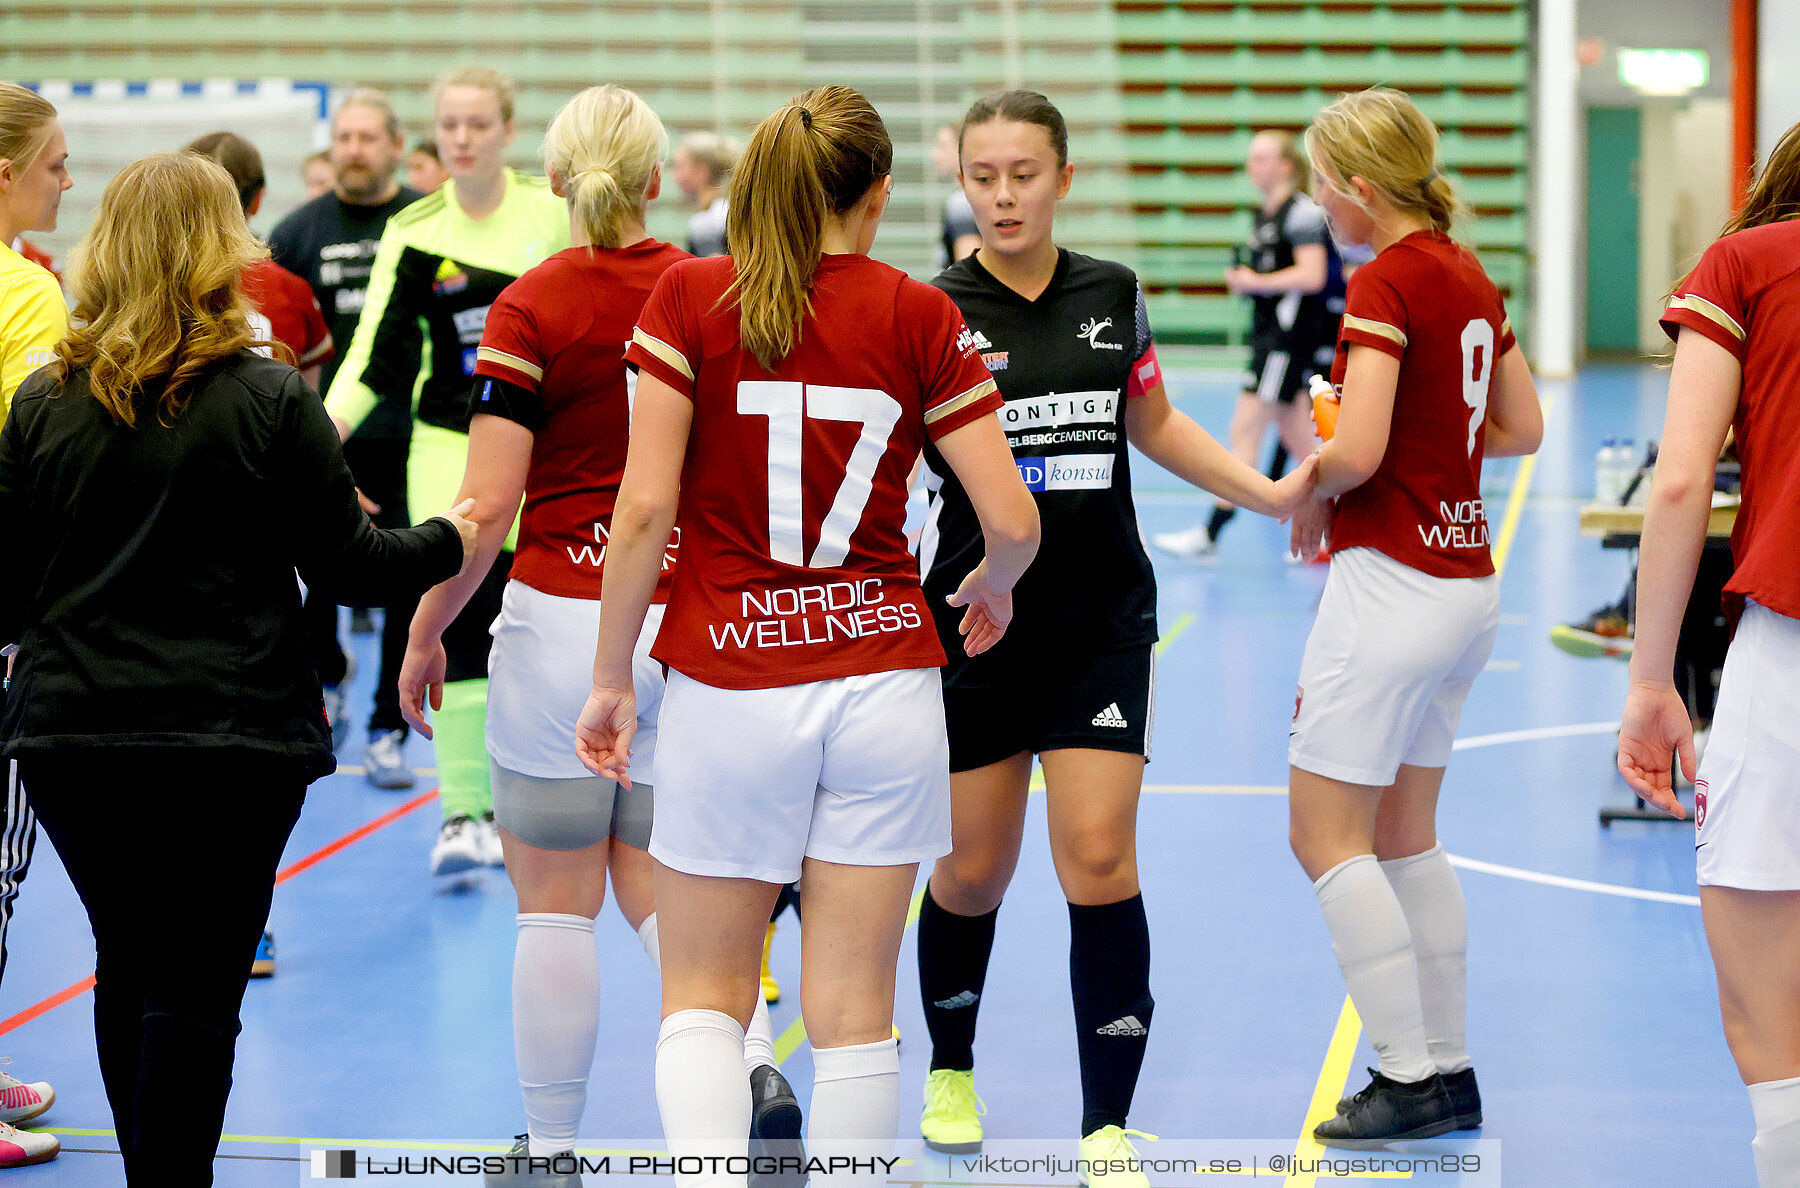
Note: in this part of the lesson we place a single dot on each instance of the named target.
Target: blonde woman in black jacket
(161, 482)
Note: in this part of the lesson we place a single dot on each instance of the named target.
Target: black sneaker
(1391, 1111)
(774, 1131)
(1465, 1095)
(559, 1171)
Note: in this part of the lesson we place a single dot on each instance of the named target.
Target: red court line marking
(313, 859)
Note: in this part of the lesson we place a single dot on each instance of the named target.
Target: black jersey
(1063, 364)
(1291, 322)
(330, 244)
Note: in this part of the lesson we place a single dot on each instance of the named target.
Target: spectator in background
(330, 242)
(424, 171)
(157, 470)
(317, 173)
(702, 169)
(960, 236)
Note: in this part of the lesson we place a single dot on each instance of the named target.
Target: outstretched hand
(422, 676)
(990, 610)
(1312, 522)
(1655, 731)
(466, 529)
(1295, 487)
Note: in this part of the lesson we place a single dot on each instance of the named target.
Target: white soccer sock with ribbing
(1432, 898)
(556, 1018)
(855, 1103)
(1776, 1147)
(701, 1090)
(1374, 951)
(652, 946)
(759, 1037)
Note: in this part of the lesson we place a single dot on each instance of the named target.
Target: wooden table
(1622, 527)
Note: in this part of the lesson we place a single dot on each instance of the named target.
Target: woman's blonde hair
(1381, 136)
(484, 77)
(25, 118)
(156, 284)
(605, 144)
(815, 157)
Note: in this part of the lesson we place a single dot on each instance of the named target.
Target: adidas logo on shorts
(1129, 1025)
(966, 998)
(1110, 716)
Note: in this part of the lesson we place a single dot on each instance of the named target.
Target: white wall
(1777, 80)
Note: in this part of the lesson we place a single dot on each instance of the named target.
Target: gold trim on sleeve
(1381, 329)
(1709, 311)
(663, 351)
(957, 403)
(522, 366)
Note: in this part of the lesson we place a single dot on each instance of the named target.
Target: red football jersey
(1426, 301)
(1745, 295)
(793, 496)
(289, 312)
(558, 335)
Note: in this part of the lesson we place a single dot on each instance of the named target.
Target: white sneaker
(18, 1148)
(491, 852)
(459, 846)
(20, 1102)
(1196, 543)
(384, 761)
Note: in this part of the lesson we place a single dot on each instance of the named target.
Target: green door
(1613, 152)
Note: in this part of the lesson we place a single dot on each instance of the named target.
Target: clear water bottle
(1606, 484)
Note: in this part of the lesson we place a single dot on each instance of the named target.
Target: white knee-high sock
(701, 1091)
(1374, 951)
(556, 1017)
(647, 937)
(1432, 898)
(855, 1103)
(1776, 1147)
(759, 1037)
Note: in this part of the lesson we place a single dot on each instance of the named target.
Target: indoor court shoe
(20, 1102)
(384, 761)
(1196, 543)
(1606, 632)
(520, 1173)
(951, 1122)
(1465, 1095)
(1108, 1160)
(458, 846)
(263, 964)
(770, 987)
(1390, 1111)
(775, 1125)
(491, 852)
(21, 1147)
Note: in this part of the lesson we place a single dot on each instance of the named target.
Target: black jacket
(148, 573)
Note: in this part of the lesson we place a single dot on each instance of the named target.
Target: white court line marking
(1550, 880)
(1537, 732)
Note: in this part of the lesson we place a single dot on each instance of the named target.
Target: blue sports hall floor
(1593, 1020)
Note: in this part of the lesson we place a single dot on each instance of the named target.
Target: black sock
(1278, 463)
(1109, 973)
(1220, 517)
(953, 962)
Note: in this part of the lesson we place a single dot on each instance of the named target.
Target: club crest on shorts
(1299, 695)
(1699, 805)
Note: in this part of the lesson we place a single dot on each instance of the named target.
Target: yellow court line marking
(1334, 1074)
(794, 1034)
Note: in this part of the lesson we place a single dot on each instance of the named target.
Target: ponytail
(1381, 136)
(815, 157)
(605, 144)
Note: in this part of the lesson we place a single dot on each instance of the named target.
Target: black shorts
(1278, 374)
(1104, 702)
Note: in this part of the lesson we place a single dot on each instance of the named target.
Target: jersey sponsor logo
(967, 998)
(42, 358)
(450, 279)
(1464, 526)
(1059, 408)
(1091, 329)
(831, 612)
(348, 301)
(593, 557)
(966, 341)
(469, 324)
(1069, 472)
(1110, 716)
(995, 360)
(981, 341)
(1127, 1026)
(349, 251)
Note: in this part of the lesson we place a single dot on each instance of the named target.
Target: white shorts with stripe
(751, 781)
(1747, 796)
(1388, 665)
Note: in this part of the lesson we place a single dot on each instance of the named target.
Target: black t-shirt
(1292, 322)
(330, 244)
(1063, 364)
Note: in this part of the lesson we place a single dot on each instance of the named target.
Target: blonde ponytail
(1381, 136)
(605, 144)
(815, 157)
